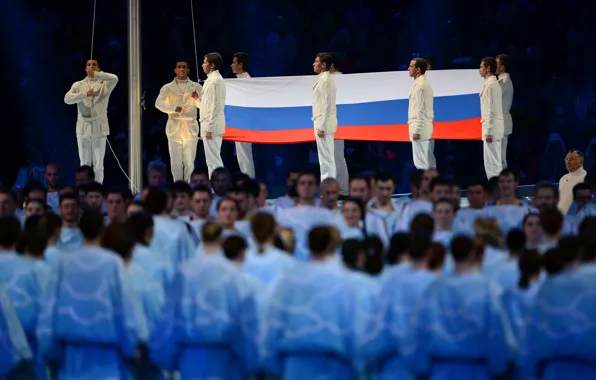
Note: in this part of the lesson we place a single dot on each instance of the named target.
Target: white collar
(490, 78)
(214, 73)
(578, 172)
(243, 75)
(420, 79)
(323, 74)
(504, 75)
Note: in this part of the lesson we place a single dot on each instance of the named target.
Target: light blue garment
(375, 226)
(156, 265)
(172, 239)
(588, 211)
(463, 223)
(587, 270)
(302, 219)
(544, 247)
(14, 348)
(353, 233)
(269, 265)
(444, 238)
(393, 270)
(387, 333)
(560, 337)
(570, 226)
(460, 330)
(390, 218)
(91, 321)
(507, 276)
(411, 210)
(42, 271)
(494, 259)
(283, 202)
(508, 217)
(70, 239)
(151, 296)
(518, 304)
(209, 327)
(53, 255)
(197, 225)
(311, 325)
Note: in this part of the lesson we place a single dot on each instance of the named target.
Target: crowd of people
(209, 279)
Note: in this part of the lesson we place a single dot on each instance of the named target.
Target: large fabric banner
(371, 107)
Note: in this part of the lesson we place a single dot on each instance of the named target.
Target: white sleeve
(111, 80)
(74, 95)
(199, 90)
(160, 102)
(489, 104)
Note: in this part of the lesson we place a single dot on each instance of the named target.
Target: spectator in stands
(115, 206)
(574, 162)
(8, 203)
(53, 177)
(199, 178)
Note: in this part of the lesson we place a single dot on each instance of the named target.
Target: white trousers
(92, 150)
(493, 163)
(245, 160)
(213, 153)
(182, 157)
(325, 150)
(504, 142)
(341, 168)
(423, 154)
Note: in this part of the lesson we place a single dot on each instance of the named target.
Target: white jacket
(491, 109)
(507, 90)
(213, 103)
(179, 93)
(92, 119)
(324, 110)
(244, 75)
(420, 110)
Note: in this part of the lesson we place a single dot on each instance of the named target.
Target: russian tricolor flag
(371, 106)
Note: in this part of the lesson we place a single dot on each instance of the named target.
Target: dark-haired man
(421, 116)
(325, 115)
(243, 149)
(91, 95)
(213, 121)
(503, 66)
(180, 99)
(491, 110)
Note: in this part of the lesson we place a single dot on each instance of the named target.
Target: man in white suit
(213, 121)
(491, 110)
(421, 116)
(341, 167)
(243, 149)
(324, 115)
(91, 95)
(503, 65)
(180, 99)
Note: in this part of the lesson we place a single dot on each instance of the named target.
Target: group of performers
(181, 98)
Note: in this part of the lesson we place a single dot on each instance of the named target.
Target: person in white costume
(324, 115)
(421, 116)
(491, 111)
(343, 177)
(213, 120)
(180, 100)
(503, 65)
(91, 95)
(243, 149)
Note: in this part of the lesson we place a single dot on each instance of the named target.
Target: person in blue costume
(15, 354)
(209, 326)
(310, 327)
(400, 296)
(158, 267)
(70, 236)
(18, 276)
(460, 330)
(119, 239)
(560, 337)
(91, 325)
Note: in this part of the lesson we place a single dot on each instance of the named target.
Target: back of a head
(488, 232)
(423, 224)
(516, 240)
(118, 238)
(588, 248)
(319, 240)
(555, 261)
(211, 233)
(462, 249)
(10, 231)
(374, 249)
(571, 246)
(551, 221)
(138, 224)
(50, 224)
(285, 240)
(398, 247)
(91, 225)
(351, 250)
(419, 246)
(436, 257)
(587, 227)
(263, 226)
(156, 201)
(234, 247)
(530, 264)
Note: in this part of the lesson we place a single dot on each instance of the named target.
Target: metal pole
(135, 160)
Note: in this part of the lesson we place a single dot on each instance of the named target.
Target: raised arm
(160, 102)
(111, 80)
(75, 94)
